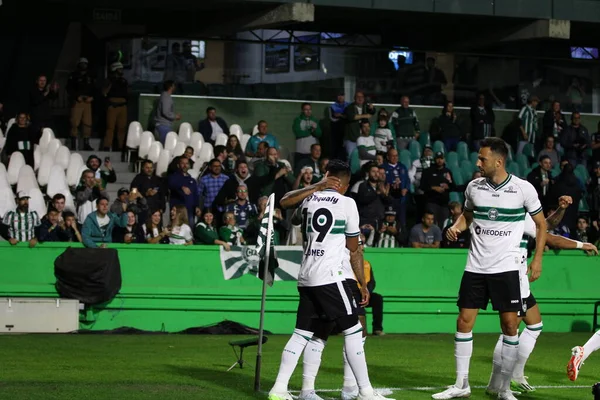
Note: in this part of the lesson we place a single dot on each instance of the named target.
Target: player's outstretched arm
(561, 242)
(535, 268)
(462, 224)
(295, 197)
(554, 219)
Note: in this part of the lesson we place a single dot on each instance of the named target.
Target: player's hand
(590, 249)
(452, 234)
(365, 296)
(329, 182)
(534, 270)
(565, 201)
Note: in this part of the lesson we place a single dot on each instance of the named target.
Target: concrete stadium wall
(172, 288)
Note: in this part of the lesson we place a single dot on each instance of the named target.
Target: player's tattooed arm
(357, 264)
(297, 216)
(553, 220)
(295, 197)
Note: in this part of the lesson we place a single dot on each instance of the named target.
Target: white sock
(527, 341)
(496, 366)
(289, 359)
(510, 349)
(355, 353)
(312, 362)
(349, 379)
(463, 350)
(591, 345)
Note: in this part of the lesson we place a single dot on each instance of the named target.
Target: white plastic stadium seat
(9, 124)
(2, 139)
(255, 130)
(171, 141)
(57, 183)
(154, 152)
(47, 136)
(179, 149)
(244, 141)
(69, 201)
(7, 202)
(134, 133)
(185, 132)
(75, 164)
(236, 130)
(45, 167)
(63, 157)
(206, 153)
(37, 202)
(37, 157)
(163, 162)
(3, 178)
(14, 166)
(145, 143)
(26, 180)
(196, 143)
(53, 147)
(221, 139)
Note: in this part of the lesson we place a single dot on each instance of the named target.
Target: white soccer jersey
(530, 230)
(498, 223)
(367, 143)
(327, 219)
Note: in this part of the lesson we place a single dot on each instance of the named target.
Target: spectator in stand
(184, 189)
(212, 125)
(396, 175)
(220, 153)
(81, 89)
(116, 90)
(482, 121)
(596, 144)
(437, 183)
(307, 131)
(304, 178)
(541, 179)
(151, 187)
(130, 233)
(356, 113)
(40, 113)
(416, 172)
(530, 132)
(242, 209)
(365, 144)
(22, 223)
(567, 184)
(464, 238)
(371, 198)
(554, 122)
(337, 117)
(165, 114)
(427, 234)
(87, 194)
(21, 137)
(48, 229)
(58, 202)
(174, 164)
(211, 183)
(152, 232)
(230, 232)
(261, 136)
(383, 134)
(312, 161)
(259, 156)
(68, 230)
(180, 232)
(584, 233)
(99, 225)
(175, 65)
(206, 233)
(228, 192)
(192, 63)
(576, 141)
(280, 225)
(389, 232)
(450, 130)
(234, 152)
(106, 175)
(129, 201)
(550, 151)
(406, 124)
(379, 159)
(283, 176)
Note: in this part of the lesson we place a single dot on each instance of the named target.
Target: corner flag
(264, 245)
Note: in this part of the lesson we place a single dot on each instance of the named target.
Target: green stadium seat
(473, 157)
(528, 150)
(452, 159)
(405, 158)
(523, 162)
(467, 170)
(527, 171)
(438, 146)
(462, 149)
(556, 171)
(457, 175)
(415, 150)
(354, 162)
(424, 139)
(582, 176)
(583, 206)
(457, 196)
(584, 172)
(513, 168)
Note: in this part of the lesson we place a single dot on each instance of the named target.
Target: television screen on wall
(395, 54)
(584, 53)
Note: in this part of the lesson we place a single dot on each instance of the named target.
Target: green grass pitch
(99, 367)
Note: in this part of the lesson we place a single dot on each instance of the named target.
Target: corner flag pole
(261, 327)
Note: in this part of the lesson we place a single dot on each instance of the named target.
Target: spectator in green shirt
(307, 131)
(355, 113)
(206, 233)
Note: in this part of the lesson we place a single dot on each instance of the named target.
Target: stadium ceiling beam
(347, 40)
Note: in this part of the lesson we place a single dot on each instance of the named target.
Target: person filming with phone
(104, 174)
(151, 188)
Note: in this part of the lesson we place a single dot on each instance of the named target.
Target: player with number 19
(330, 223)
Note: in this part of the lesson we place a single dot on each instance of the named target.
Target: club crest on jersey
(492, 214)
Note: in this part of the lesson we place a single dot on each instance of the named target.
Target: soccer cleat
(309, 396)
(521, 385)
(374, 396)
(452, 393)
(350, 394)
(575, 362)
(280, 396)
(506, 395)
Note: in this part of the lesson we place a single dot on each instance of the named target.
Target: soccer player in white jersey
(495, 208)
(530, 312)
(329, 224)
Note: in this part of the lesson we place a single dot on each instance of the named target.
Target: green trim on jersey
(536, 212)
(499, 218)
(506, 211)
(499, 214)
(500, 185)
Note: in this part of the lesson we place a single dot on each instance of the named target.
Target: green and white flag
(240, 261)
(264, 244)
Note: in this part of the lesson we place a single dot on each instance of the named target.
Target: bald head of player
(492, 159)
(340, 170)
